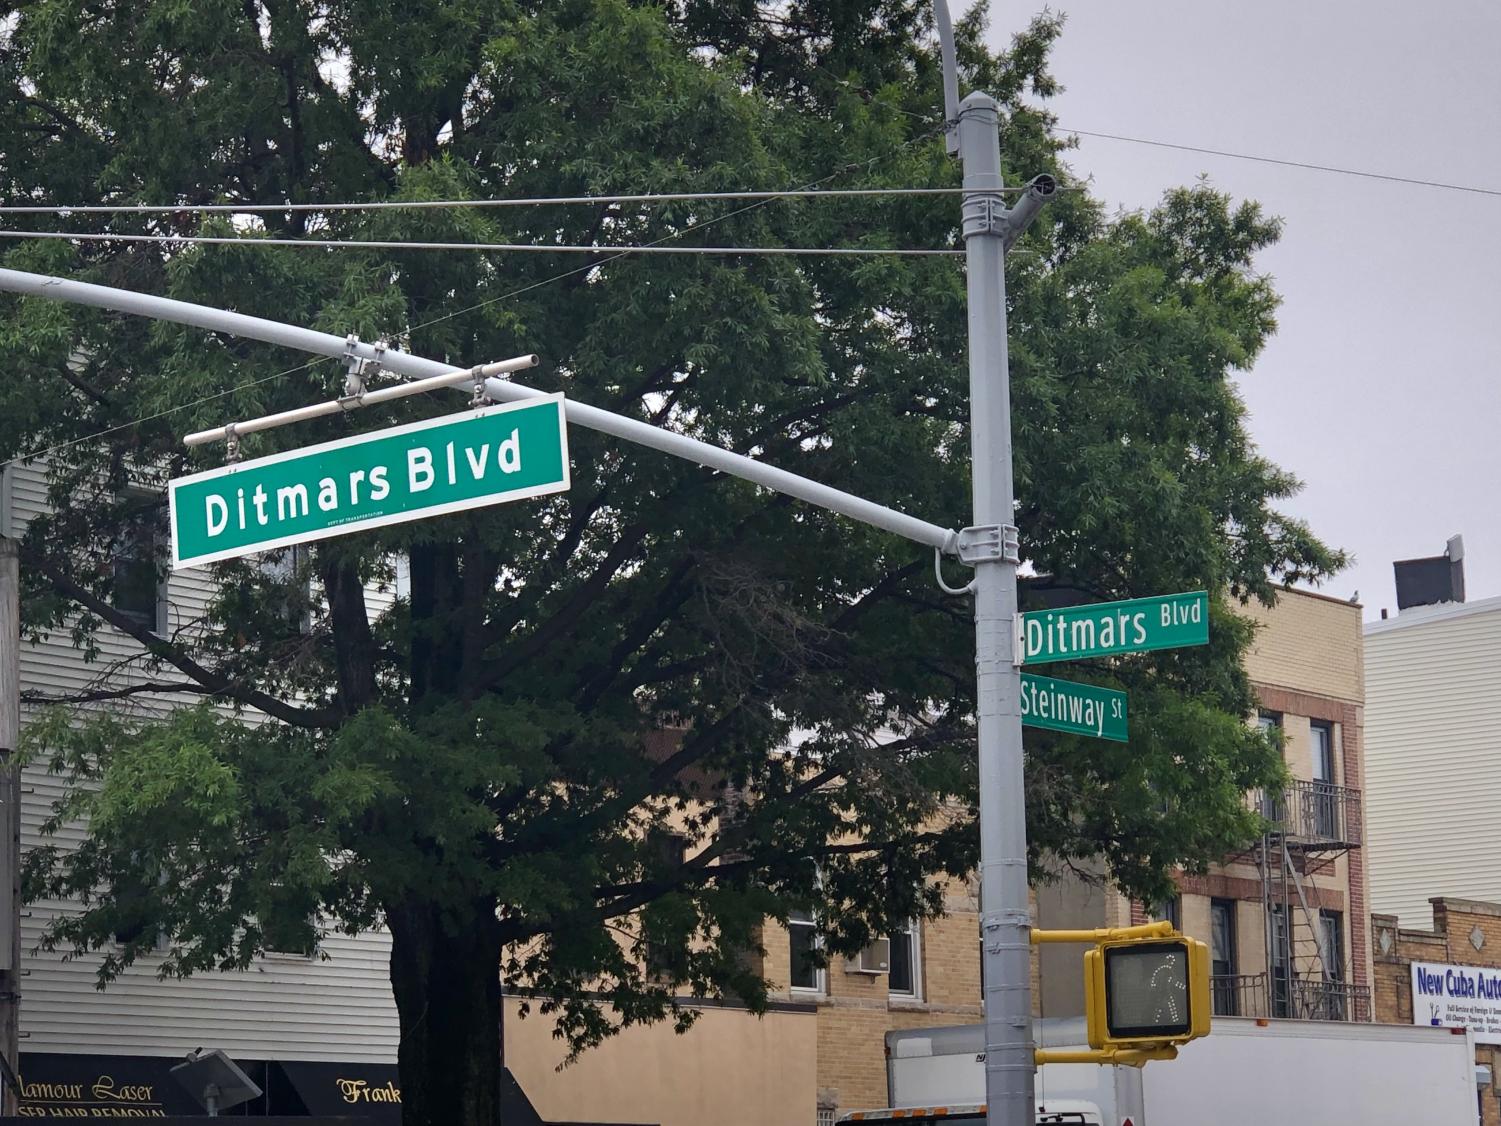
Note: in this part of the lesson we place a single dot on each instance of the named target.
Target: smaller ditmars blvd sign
(1079, 709)
(441, 465)
(1458, 997)
(1106, 629)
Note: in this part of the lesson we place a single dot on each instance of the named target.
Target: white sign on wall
(1458, 997)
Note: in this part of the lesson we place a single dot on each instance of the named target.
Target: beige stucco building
(820, 1050)
(730, 1068)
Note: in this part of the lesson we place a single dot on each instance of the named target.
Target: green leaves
(510, 705)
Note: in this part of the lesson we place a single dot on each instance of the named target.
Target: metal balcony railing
(1238, 995)
(1298, 998)
(1332, 1000)
(1313, 816)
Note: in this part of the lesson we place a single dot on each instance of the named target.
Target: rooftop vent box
(1432, 581)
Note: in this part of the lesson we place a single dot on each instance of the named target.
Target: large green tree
(479, 767)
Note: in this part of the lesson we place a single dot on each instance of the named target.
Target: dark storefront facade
(88, 1086)
(55, 1087)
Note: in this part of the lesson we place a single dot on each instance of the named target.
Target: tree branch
(98, 695)
(214, 683)
(632, 897)
(534, 643)
(354, 641)
(86, 389)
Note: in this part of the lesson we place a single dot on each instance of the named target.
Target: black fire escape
(1309, 825)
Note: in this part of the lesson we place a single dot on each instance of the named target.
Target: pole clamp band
(985, 214)
(480, 398)
(359, 371)
(990, 543)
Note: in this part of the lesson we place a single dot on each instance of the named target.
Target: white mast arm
(417, 367)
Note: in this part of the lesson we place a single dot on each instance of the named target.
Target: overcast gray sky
(1380, 388)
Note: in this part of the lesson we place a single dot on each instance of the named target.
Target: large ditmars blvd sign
(1107, 629)
(429, 468)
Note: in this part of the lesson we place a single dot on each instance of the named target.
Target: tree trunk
(445, 972)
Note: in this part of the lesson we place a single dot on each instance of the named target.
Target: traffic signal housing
(1147, 992)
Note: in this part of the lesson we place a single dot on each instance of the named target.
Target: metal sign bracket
(990, 543)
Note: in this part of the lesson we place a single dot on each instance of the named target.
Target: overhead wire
(486, 247)
(1303, 164)
(612, 254)
(623, 252)
(442, 204)
(48, 451)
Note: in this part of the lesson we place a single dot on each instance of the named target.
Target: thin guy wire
(1290, 163)
(622, 253)
(524, 247)
(437, 204)
(35, 454)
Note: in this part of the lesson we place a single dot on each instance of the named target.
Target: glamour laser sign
(449, 464)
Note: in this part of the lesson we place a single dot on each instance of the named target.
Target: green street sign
(1079, 709)
(1105, 629)
(449, 464)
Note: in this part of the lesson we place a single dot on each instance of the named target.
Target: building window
(804, 974)
(136, 909)
(668, 852)
(1222, 959)
(1332, 944)
(290, 567)
(136, 567)
(1322, 735)
(1281, 983)
(1270, 801)
(902, 978)
(1169, 909)
(1332, 950)
(1325, 801)
(289, 923)
(290, 937)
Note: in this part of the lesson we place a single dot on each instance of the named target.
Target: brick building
(821, 1050)
(1286, 921)
(1466, 933)
(931, 976)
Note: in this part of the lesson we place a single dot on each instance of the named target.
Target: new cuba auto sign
(1458, 997)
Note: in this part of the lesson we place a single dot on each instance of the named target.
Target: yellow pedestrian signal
(1146, 992)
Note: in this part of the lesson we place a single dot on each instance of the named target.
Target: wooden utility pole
(10, 822)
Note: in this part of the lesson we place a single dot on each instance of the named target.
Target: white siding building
(1433, 757)
(329, 1017)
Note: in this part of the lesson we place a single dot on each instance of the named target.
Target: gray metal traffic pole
(10, 820)
(991, 546)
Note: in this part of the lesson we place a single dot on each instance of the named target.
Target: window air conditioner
(874, 959)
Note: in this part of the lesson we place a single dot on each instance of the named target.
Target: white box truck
(1247, 1072)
